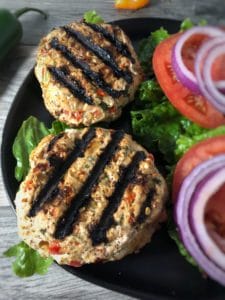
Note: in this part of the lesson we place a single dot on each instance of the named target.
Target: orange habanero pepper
(131, 4)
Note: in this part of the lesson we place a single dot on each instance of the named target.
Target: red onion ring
(206, 189)
(217, 96)
(220, 85)
(182, 212)
(201, 57)
(186, 77)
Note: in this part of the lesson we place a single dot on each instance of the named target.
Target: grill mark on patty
(73, 85)
(147, 203)
(120, 46)
(65, 224)
(54, 160)
(50, 189)
(100, 52)
(128, 174)
(93, 76)
(54, 140)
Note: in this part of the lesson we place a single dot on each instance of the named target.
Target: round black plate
(158, 271)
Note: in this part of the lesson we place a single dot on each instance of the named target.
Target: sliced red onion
(200, 60)
(217, 96)
(186, 77)
(182, 212)
(220, 85)
(206, 189)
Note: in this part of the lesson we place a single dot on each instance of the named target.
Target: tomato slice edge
(194, 156)
(194, 107)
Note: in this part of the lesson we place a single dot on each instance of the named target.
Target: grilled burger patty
(91, 195)
(87, 72)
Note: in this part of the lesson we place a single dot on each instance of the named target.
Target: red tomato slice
(196, 155)
(194, 107)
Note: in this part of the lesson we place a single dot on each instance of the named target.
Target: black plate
(158, 271)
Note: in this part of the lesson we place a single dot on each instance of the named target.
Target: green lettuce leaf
(157, 128)
(149, 92)
(28, 261)
(147, 47)
(173, 233)
(158, 125)
(91, 16)
(28, 136)
(185, 142)
(161, 128)
(188, 23)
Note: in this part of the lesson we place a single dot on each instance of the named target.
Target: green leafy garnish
(91, 16)
(185, 142)
(162, 129)
(150, 91)
(57, 127)
(28, 261)
(187, 24)
(159, 126)
(174, 236)
(28, 136)
(147, 47)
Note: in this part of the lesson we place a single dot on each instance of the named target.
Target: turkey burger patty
(87, 72)
(90, 195)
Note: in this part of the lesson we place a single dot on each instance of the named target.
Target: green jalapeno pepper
(11, 29)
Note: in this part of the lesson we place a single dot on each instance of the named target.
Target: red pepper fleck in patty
(100, 92)
(54, 247)
(75, 263)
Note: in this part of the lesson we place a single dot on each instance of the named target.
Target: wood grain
(58, 284)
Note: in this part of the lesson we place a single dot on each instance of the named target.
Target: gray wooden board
(58, 284)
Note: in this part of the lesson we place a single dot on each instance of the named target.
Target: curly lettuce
(91, 16)
(147, 47)
(161, 128)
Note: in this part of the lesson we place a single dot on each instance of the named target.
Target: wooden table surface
(58, 284)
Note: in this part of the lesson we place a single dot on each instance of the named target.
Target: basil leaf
(28, 136)
(57, 127)
(27, 260)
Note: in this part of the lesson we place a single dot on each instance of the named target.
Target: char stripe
(54, 140)
(71, 83)
(147, 203)
(100, 52)
(50, 189)
(128, 174)
(120, 46)
(95, 77)
(66, 222)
